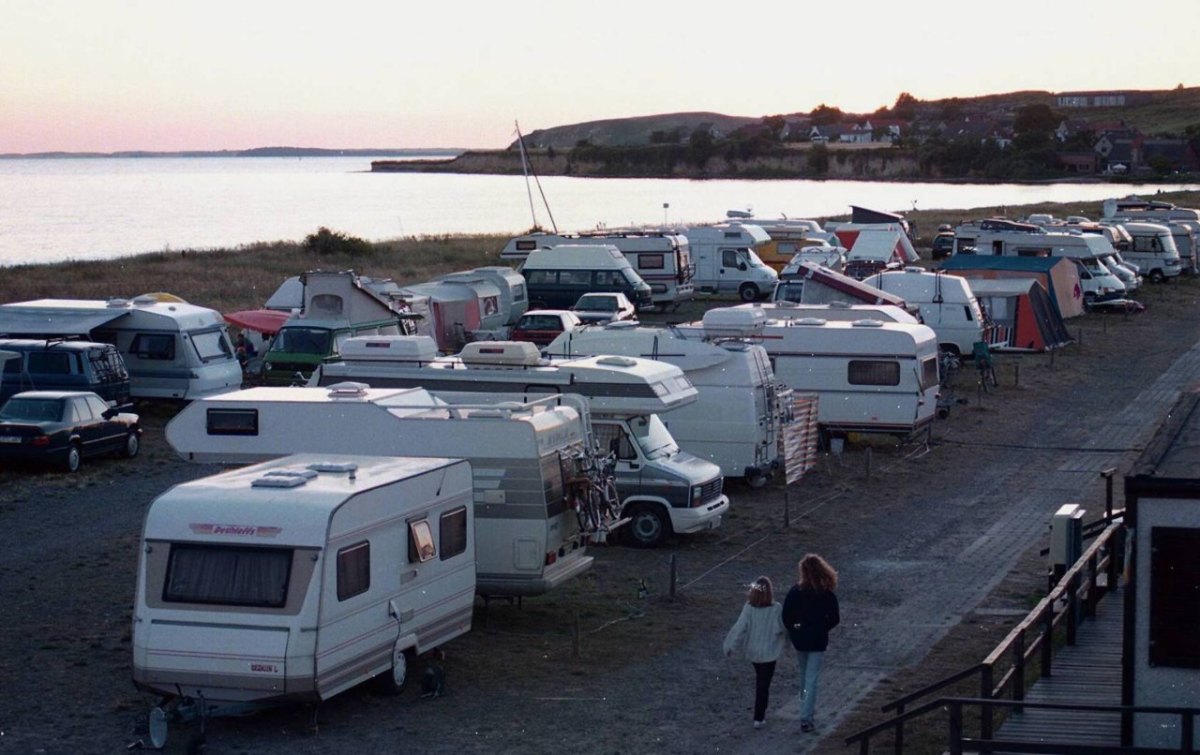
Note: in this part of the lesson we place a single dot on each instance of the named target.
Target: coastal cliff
(834, 162)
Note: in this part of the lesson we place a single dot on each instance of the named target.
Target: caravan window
(232, 422)
(420, 542)
(353, 570)
(49, 362)
(518, 292)
(153, 346)
(210, 344)
(452, 531)
(929, 372)
(651, 262)
(871, 372)
(228, 575)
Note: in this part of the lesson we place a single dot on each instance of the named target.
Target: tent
(1022, 309)
(1057, 274)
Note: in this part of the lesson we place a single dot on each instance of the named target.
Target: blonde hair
(815, 572)
(760, 593)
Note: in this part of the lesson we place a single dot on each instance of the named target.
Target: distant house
(1176, 154)
(795, 130)
(1120, 147)
(1079, 162)
(887, 130)
(1092, 99)
(834, 132)
(983, 131)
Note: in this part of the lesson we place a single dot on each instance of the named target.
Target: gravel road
(923, 545)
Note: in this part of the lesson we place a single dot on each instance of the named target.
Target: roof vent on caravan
(809, 321)
(785, 304)
(867, 323)
(118, 303)
(914, 269)
(390, 348)
(334, 467)
(616, 361)
(284, 478)
(622, 324)
(145, 300)
(348, 390)
(501, 354)
(734, 322)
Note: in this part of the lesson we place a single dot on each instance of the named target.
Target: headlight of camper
(266, 365)
(697, 491)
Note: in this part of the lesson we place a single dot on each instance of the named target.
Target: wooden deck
(1088, 673)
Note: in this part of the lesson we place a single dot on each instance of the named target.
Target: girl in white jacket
(758, 637)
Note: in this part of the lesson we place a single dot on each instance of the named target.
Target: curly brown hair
(815, 572)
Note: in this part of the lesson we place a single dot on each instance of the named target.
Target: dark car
(541, 326)
(943, 245)
(64, 427)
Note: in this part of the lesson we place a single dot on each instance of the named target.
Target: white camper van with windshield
(1152, 248)
(299, 578)
(172, 349)
(662, 489)
(726, 262)
(870, 376)
(738, 418)
(946, 304)
(530, 534)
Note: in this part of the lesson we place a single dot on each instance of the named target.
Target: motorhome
(63, 365)
(1001, 237)
(663, 260)
(1152, 249)
(335, 306)
(727, 261)
(555, 277)
(870, 376)
(662, 489)
(299, 578)
(741, 409)
(792, 236)
(946, 304)
(528, 537)
(1135, 209)
(172, 349)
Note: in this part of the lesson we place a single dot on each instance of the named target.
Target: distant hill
(629, 132)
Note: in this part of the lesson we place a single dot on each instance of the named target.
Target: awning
(267, 321)
(49, 322)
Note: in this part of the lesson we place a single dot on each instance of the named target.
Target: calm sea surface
(98, 208)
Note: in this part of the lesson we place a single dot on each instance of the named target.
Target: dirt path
(933, 551)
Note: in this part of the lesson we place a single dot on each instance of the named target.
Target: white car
(603, 307)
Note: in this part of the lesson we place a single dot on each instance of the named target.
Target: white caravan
(663, 260)
(738, 419)
(299, 578)
(946, 304)
(510, 286)
(726, 262)
(172, 349)
(870, 376)
(661, 488)
(1013, 239)
(528, 539)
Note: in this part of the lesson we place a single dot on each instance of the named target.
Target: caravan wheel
(392, 682)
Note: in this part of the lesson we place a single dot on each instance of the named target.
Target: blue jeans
(810, 673)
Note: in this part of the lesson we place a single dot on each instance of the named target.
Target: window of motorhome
(452, 533)
(1174, 610)
(232, 422)
(526, 246)
(873, 372)
(210, 344)
(929, 372)
(353, 570)
(729, 258)
(653, 437)
(326, 305)
(153, 346)
(540, 277)
(420, 542)
(611, 437)
(651, 262)
(228, 575)
(48, 362)
(1147, 244)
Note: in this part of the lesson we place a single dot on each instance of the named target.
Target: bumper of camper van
(515, 585)
(707, 516)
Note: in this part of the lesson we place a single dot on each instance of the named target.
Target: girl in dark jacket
(809, 612)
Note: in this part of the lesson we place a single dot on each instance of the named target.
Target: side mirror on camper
(742, 266)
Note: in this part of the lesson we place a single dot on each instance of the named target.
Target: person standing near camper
(758, 637)
(810, 610)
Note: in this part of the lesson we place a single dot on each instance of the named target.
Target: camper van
(870, 376)
(529, 538)
(662, 489)
(53, 365)
(946, 304)
(336, 306)
(726, 261)
(741, 409)
(172, 349)
(299, 578)
(663, 260)
(1135, 209)
(557, 276)
(1152, 249)
(803, 282)
(792, 236)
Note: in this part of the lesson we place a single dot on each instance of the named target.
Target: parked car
(64, 427)
(541, 326)
(943, 245)
(64, 365)
(603, 307)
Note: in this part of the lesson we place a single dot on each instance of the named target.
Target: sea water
(55, 209)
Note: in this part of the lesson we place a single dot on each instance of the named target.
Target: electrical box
(1066, 539)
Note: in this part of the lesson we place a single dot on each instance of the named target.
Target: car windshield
(653, 438)
(301, 341)
(35, 409)
(598, 304)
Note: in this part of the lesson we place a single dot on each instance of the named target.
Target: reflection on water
(95, 208)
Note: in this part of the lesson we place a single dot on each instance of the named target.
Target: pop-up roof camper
(653, 476)
(806, 283)
(172, 349)
(529, 539)
(298, 578)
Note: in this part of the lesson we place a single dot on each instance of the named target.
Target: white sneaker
(759, 724)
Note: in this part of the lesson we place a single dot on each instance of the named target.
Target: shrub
(327, 242)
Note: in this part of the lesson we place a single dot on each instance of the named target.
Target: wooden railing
(1071, 601)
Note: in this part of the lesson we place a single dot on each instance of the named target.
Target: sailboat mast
(528, 168)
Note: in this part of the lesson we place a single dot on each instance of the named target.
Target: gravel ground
(936, 547)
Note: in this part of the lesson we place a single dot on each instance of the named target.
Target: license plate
(9, 439)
